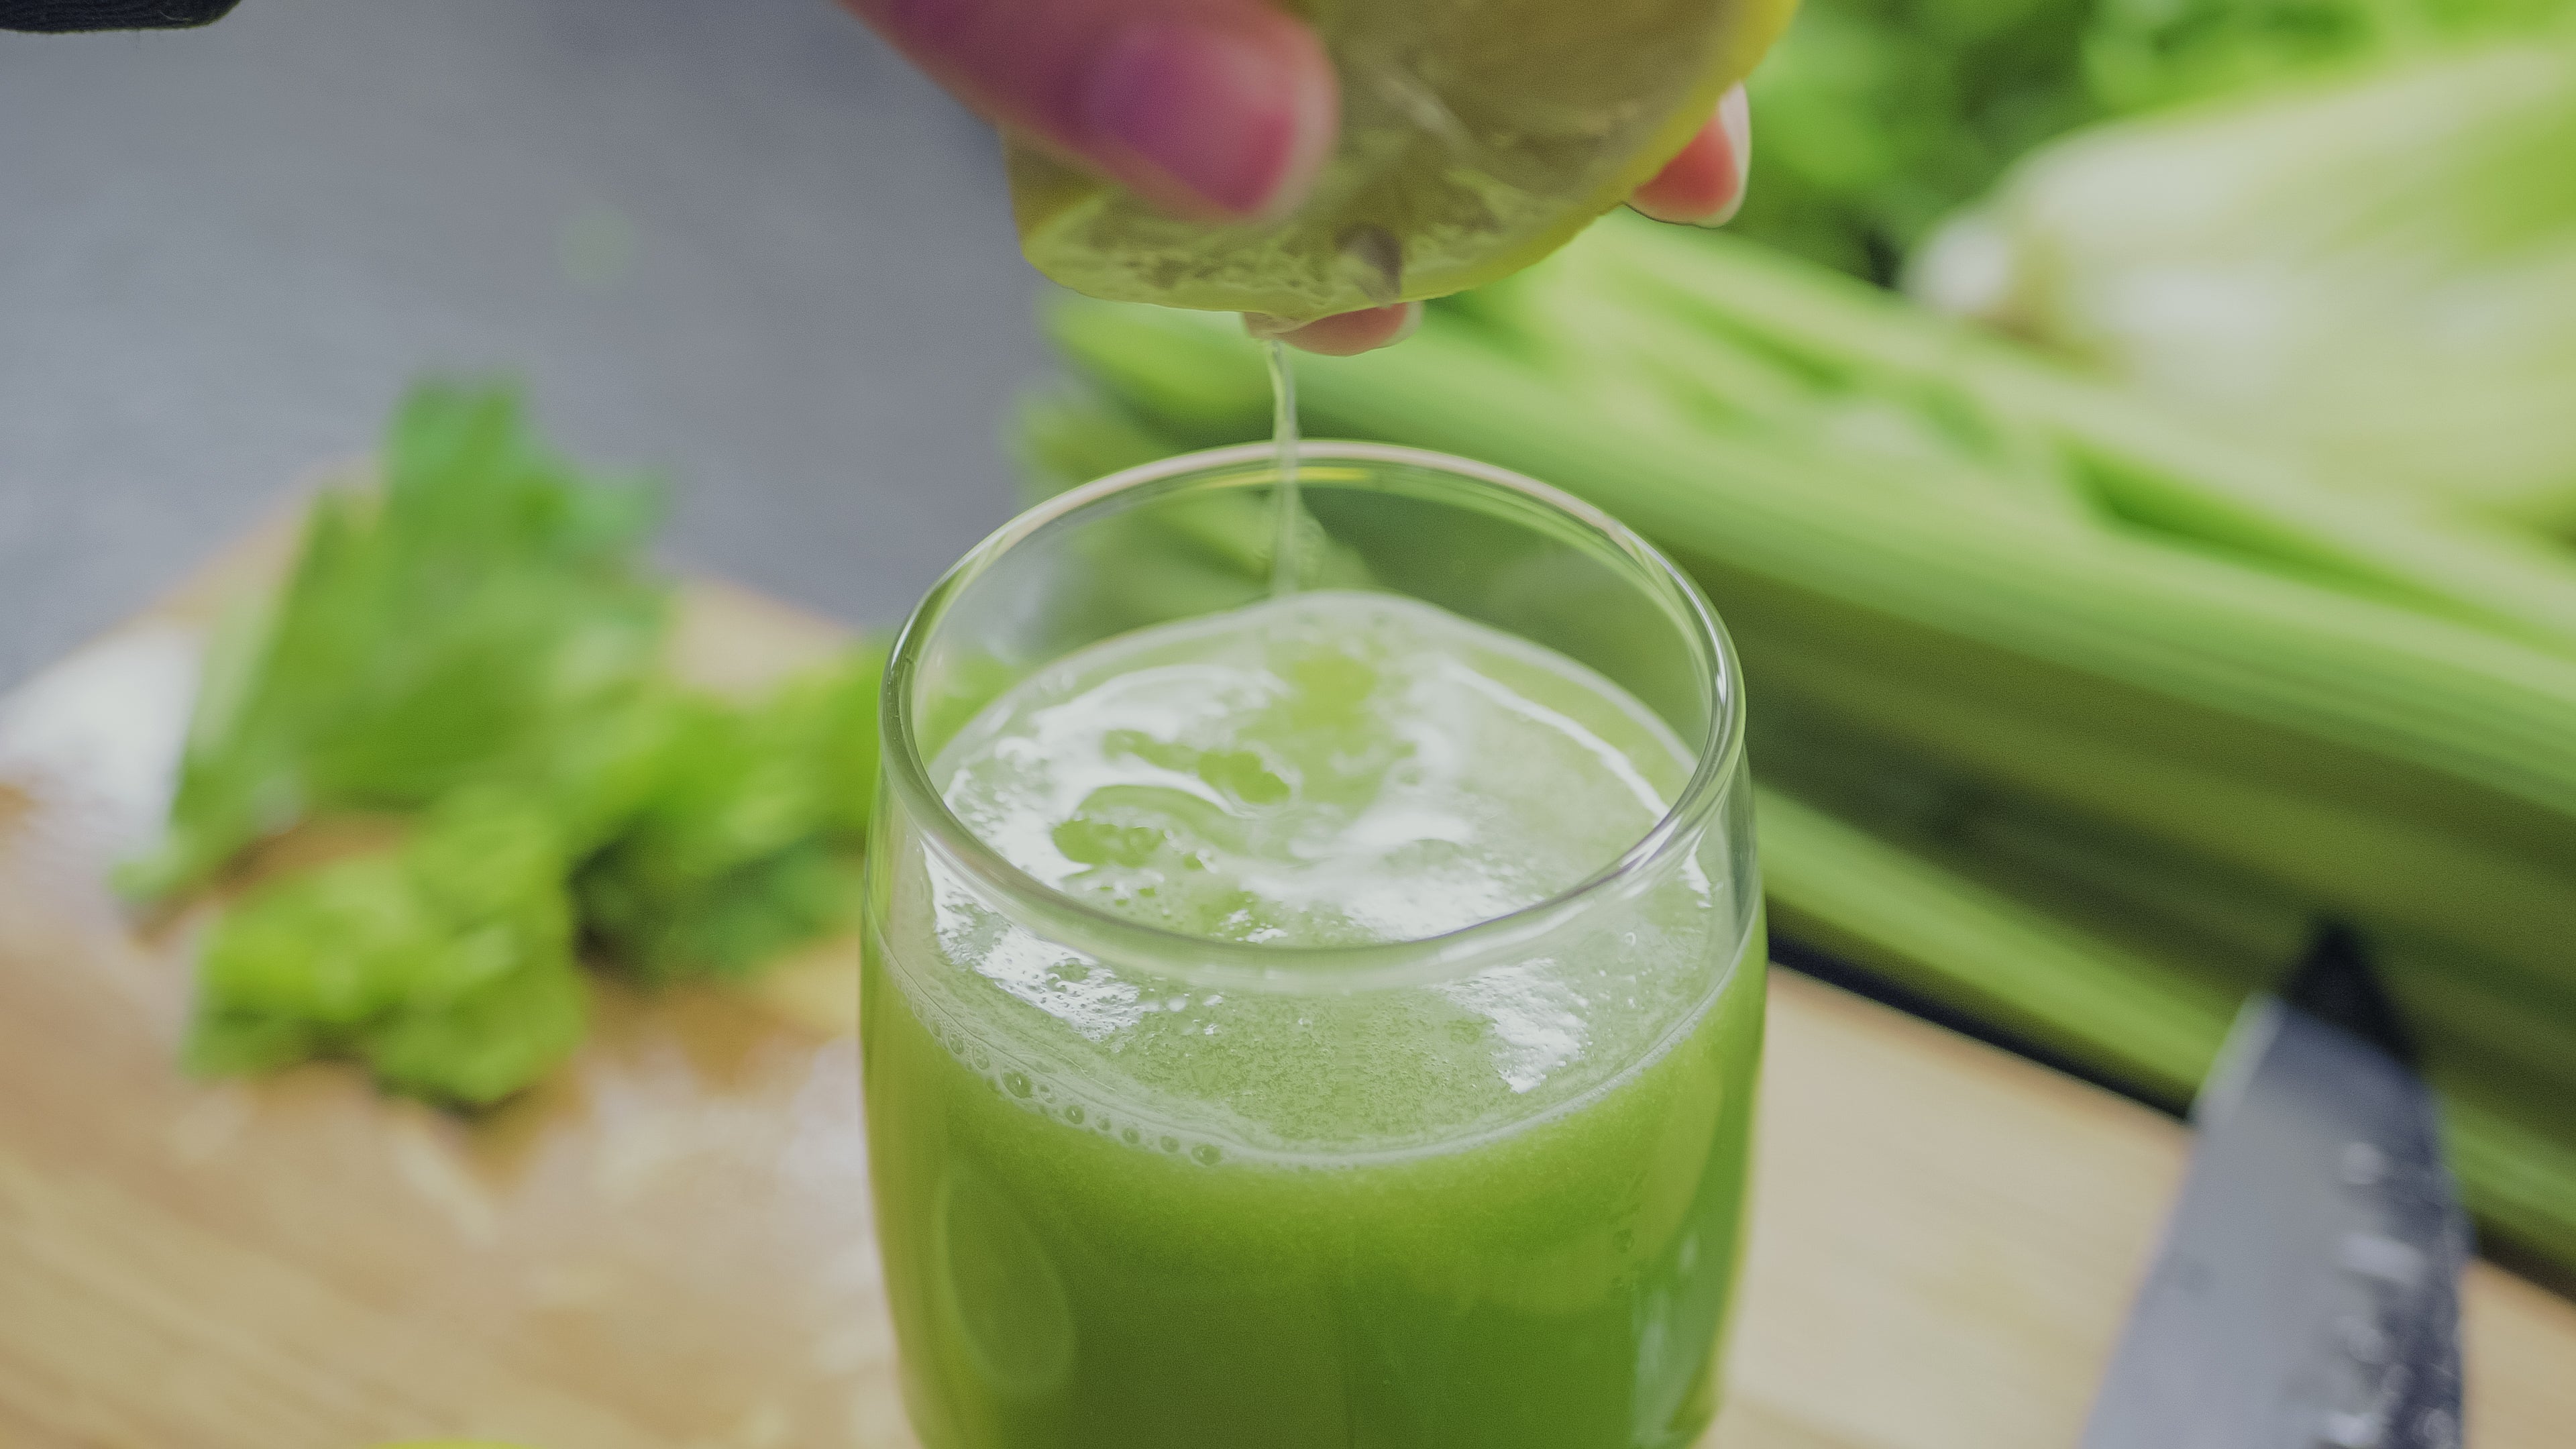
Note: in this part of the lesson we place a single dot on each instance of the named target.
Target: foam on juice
(1326, 768)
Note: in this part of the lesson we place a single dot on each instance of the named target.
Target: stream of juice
(1122, 1211)
(1283, 441)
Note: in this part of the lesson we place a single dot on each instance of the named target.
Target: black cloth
(65, 15)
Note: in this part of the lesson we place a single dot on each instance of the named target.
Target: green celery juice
(1120, 1210)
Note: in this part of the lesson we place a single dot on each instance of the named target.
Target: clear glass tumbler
(1138, 1189)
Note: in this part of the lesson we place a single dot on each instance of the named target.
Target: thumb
(1219, 109)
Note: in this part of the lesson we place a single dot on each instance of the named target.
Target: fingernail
(1735, 127)
(1204, 120)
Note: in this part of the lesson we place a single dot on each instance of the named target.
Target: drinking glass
(1313, 1223)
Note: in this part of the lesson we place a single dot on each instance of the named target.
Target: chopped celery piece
(488, 602)
(741, 837)
(445, 964)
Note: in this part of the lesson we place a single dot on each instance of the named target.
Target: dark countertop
(740, 242)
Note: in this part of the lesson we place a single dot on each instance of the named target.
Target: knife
(2306, 1294)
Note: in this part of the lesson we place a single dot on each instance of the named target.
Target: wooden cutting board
(668, 1243)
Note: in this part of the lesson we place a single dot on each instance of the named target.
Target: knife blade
(2306, 1293)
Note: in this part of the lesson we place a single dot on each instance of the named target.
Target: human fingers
(1211, 109)
(1704, 184)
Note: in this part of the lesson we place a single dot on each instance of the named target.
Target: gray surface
(739, 241)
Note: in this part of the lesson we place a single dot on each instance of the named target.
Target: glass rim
(1208, 961)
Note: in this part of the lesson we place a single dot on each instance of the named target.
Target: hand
(1223, 109)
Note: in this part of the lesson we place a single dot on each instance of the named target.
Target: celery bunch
(2063, 712)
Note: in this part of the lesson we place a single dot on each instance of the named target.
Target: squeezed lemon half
(1477, 136)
